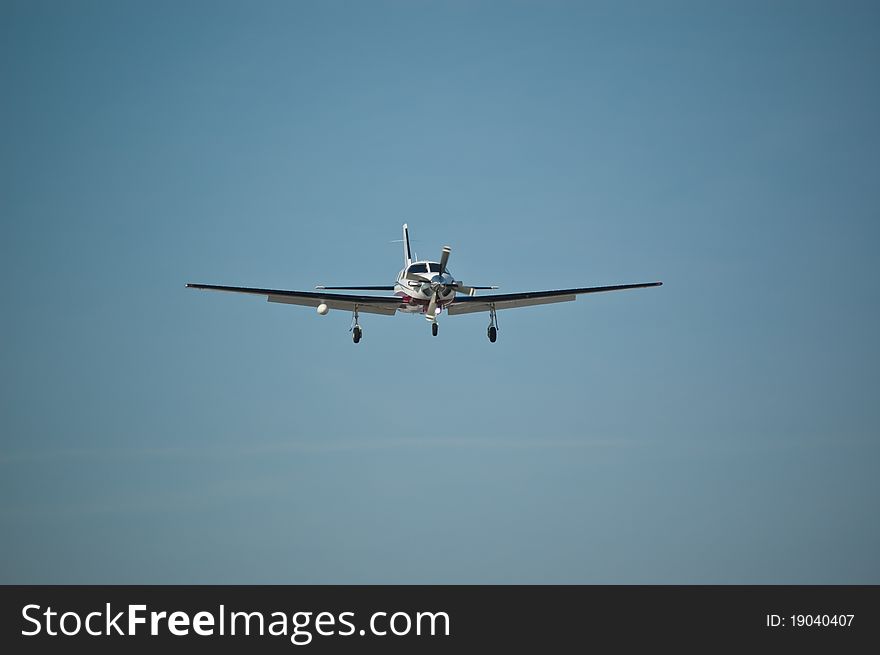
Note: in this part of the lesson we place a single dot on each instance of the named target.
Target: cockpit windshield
(424, 267)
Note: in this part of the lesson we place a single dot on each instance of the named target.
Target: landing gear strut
(493, 324)
(434, 329)
(356, 330)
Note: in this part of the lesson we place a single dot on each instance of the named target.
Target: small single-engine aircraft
(423, 287)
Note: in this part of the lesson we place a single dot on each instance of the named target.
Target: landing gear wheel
(434, 329)
(493, 333)
(356, 331)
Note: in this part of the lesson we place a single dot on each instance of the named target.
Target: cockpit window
(429, 267)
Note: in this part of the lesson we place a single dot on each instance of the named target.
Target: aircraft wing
(469, 304)
(371, 304)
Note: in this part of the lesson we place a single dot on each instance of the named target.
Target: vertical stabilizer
(407, 253)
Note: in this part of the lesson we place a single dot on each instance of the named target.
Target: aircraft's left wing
(387, 305)
(469, 304)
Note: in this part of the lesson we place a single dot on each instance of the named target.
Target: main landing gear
(493, 325)
(434, 329)
(356, 330)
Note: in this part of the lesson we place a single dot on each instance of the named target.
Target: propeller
(440, 285)
(470, 291)
(444, 258)
(431, 313)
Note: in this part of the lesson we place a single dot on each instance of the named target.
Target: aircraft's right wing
(387, 305)
(469, 304)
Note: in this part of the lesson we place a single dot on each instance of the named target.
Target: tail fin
(407, 254)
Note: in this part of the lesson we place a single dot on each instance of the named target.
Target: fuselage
(416, 282)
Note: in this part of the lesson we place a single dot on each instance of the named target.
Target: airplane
(422, 287)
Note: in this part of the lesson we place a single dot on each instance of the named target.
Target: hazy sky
(724, 428)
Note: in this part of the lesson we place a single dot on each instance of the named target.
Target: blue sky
(721, 429)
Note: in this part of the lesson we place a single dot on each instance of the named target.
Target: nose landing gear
(493, 325)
